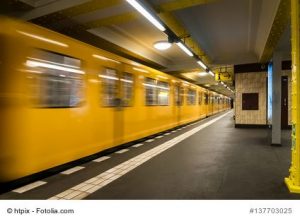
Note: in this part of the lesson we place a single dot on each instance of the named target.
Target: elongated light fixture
(162, 45)
(202, 64)
(211, 73)
(185, 49)
(146, 14)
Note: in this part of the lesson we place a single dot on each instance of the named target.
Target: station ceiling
(221, 32)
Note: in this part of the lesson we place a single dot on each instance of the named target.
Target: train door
(206, 104)
(200, 106)
(178, 101)
(112, 101)
(129, 113)
(210, 104)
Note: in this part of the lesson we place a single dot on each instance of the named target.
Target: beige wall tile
(251, 83)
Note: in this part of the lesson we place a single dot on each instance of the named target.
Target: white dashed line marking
(159, 137)
(90, 186)
(28, 187)
(138, 145)
(150, 140)
(167, 134)
(100, 159)
(122, 151)
(72, 170)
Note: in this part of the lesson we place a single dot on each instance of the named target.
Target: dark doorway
(284, 102)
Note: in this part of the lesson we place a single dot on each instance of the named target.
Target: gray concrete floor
(218, 162)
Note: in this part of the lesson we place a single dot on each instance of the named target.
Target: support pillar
(293, 181)
(276, 100)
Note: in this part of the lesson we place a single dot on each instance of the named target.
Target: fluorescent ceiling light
(43, 39)
(30, 63)
(141, 70)
(146, 14)
(162, 45)
(202, 65)
(211, 73)
(185, 49)
(202, 74)
(105, 58)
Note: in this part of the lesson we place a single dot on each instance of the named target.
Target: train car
(62, 100)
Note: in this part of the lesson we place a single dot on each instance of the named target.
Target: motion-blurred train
(62, 100)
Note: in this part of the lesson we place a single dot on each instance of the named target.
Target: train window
(151, 91)
(191, 97)
(127, 89)
(55, 80)
(200, 98)
(205, 98)
(110, 81)
(163, 93)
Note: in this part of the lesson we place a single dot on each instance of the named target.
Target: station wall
(256, 82)
(251, 83)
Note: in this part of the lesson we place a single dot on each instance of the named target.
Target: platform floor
(207, 160)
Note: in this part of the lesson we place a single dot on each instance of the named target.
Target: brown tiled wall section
(251, 83)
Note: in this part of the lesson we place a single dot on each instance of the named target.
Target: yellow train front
(62, 100)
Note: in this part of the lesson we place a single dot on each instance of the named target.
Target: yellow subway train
(62, 100)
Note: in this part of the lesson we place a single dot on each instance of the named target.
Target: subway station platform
(209, 159)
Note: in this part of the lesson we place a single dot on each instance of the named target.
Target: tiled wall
(256, 83)
(251, 83)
